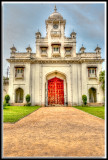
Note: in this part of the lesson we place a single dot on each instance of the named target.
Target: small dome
(97, 48)
(28, 48)
(55, 15)
(73, 33)
(38, 33)
(82, 48)
(13, 48)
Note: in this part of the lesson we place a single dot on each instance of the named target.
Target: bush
(27, 98)
(84, 98)
(7, 98)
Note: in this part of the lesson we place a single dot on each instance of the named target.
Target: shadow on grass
(5, 108)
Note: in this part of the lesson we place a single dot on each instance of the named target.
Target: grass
(14, 113)
(96, 111)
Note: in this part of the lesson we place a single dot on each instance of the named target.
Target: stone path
(55, 132)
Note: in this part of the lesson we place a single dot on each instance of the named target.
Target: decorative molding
(64, 60)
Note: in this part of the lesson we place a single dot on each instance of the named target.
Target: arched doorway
(19, 95)
(56, 89)
(92, 95)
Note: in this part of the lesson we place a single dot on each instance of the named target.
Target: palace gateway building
(55, 75)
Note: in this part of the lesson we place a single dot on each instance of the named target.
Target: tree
(102, 79)
(7, 98)
(84, 98)
(27, 98)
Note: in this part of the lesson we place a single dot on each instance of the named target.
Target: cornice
(52, 61)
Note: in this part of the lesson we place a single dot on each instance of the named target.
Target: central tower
(55, 44)
(55, 25)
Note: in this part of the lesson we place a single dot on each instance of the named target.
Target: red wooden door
(55, 91)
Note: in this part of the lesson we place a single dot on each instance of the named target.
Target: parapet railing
(89, 55)
(23, 55)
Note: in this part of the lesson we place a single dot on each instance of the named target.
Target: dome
(55, 15)
(13, 48)
(97, 48)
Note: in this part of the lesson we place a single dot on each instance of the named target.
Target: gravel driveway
(55, 132)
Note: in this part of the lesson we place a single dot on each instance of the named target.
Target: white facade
(55, 57)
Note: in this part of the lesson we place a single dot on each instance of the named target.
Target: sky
(20, 22)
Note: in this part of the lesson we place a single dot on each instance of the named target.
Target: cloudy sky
(22, 20)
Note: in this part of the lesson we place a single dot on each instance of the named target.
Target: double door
(55, 91)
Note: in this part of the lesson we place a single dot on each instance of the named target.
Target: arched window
(92, 95)
(19, 95)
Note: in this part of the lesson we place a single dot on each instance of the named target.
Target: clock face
(55, 26)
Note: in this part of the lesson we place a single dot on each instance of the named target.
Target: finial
(38, 29)
(97, 45)
(82, 45)
(55, 9)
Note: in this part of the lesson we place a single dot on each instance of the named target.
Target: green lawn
(96, 111)
(14, 113)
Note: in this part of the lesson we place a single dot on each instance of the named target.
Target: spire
(55, 9)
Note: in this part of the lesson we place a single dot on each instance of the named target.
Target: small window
(19, 72)
(43, 50)
(91, 72)
(68, 50)
(56, 49)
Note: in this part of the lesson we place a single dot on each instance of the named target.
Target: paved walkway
(55, 132)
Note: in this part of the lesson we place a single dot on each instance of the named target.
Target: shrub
(84, 98)
(7, 98)
(27, 98)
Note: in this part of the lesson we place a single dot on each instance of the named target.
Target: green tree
(84, 98)
(102, 79)
(27, 98)
(7, 98)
